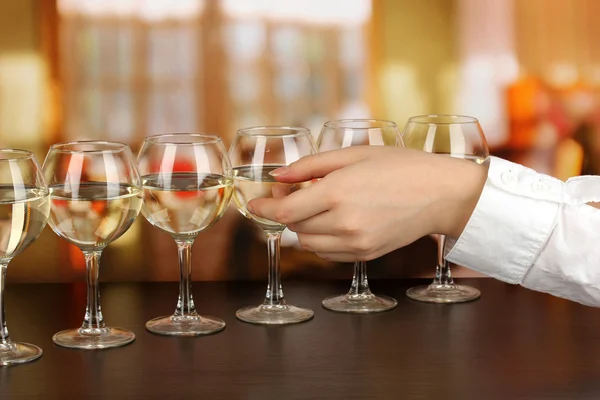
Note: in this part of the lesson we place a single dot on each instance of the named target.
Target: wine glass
(24, 209)
(460, 137)
(254, 153)
(358, 132)
(95, 194)
(187, 188)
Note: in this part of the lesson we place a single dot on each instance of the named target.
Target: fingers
(316, 243)
(298, 206)
(319, 165)
(323, 223)
(339, 257)
(341, 247)
(280, 190)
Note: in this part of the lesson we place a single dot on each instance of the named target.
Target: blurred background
(124, 69)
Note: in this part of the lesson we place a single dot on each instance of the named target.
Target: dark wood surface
(510, 344)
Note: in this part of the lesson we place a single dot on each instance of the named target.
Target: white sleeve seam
(536, 255)
(568, 279)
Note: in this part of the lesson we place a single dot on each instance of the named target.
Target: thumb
(318, 165)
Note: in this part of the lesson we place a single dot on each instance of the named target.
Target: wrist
(462, 195)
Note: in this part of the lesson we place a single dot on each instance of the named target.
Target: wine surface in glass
(252, 182)
(23, 216)
(185, 203)
(96, 214)
(475, 159)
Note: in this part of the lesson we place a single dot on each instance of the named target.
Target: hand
(372, 200)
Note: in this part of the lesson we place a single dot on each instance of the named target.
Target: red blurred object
(178, 166)
(76, 258)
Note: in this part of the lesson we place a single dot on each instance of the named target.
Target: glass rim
(19, 154)
(210, 138)
(429, 119)
(295, 131)
(339, 123)
(117, 146)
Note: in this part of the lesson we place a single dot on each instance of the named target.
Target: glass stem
(274, 296)
(4, 337)
(443, 276)
(360, 283)
(185, 304)
(93, 319)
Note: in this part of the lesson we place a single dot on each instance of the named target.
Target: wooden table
(510, 344)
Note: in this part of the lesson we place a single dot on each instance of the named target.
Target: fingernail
(279, 171)
(249, 208)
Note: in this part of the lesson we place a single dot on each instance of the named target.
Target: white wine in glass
(96, 194)
(24, 209)
(187, 188)
(254, 154)
(455, 136)
(96, 215)
(23, 215)
(189, 204)
(252, 182)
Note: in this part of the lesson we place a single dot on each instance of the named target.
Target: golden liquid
(94, 214)
(252, 182)
(184, 204)
(23, 216)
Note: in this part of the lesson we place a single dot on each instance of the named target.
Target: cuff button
(509, 177)
(539, 187)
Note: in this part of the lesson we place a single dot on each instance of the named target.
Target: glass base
(18, 353)
(443, 293)
(93, 339)
(359, 303)
(195, 325)
(274, 315)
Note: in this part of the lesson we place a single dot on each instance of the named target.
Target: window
(130, 68)
(136, 68)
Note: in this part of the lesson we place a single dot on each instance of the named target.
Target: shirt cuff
(582, 189)
(511, 223)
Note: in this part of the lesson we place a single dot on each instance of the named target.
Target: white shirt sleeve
(535, 230)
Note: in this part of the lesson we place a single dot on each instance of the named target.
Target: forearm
(463, 195)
